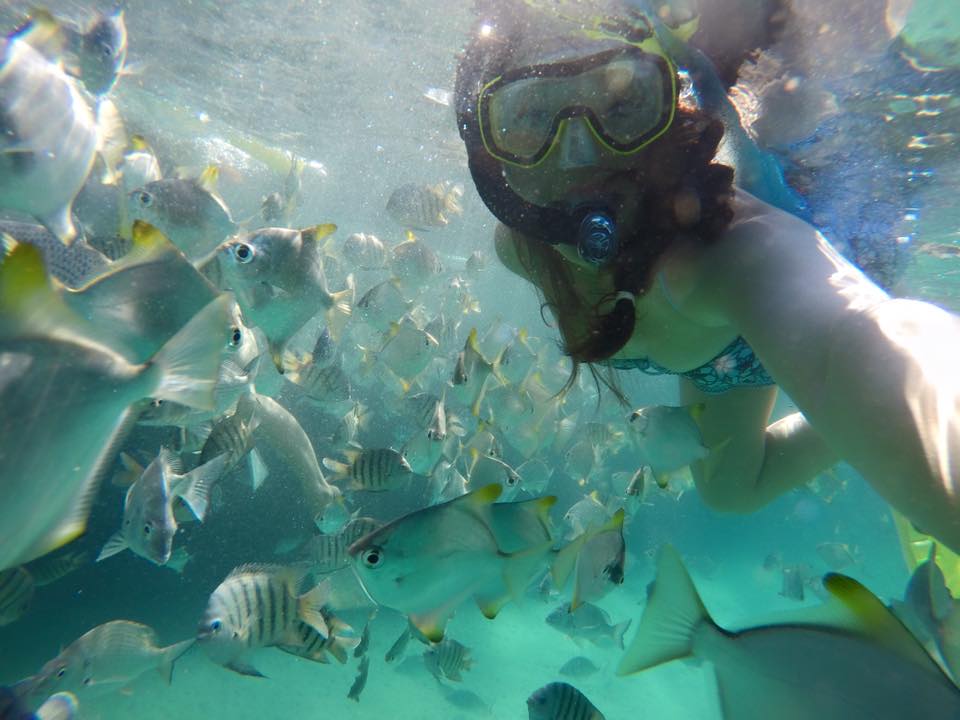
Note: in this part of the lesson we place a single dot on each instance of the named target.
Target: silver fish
(361, 680)
(426, 563)
(406, 350)
(578, 667)
(399, 645)
(16, 594)
(561, 701)
(149, 522)
(48, 134)
(413, 262)
(100, 50)
(107, 658)
(850, 648)
(323, 383)
(382, 305)
(329, 552)
(667, 438)
(186, 210)
(447, 659)
(44, 344)
(588, 623)
(424, 207)
(471, 373)
(600, 561)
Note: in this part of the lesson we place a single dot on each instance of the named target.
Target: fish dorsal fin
(854, 608)
(208, 179)
(318, 232)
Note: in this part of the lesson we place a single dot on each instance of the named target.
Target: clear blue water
(342, 85)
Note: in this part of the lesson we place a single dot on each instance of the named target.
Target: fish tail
(310, 607)
(189, 364)
(619, 630)
(341, 307)
(195, 491)
(342, 470)
(673, 614)
(170, 656)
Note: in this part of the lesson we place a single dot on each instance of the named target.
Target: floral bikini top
(735, 366)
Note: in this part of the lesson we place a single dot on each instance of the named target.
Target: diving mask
(626, 96)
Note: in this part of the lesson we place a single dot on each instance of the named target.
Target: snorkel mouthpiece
(597, 238)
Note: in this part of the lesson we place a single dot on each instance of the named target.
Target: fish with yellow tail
(427, 563)
(471, 373)
(851, 658)
(45, 344)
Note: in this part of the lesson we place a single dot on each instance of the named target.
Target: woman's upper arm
(505, 244)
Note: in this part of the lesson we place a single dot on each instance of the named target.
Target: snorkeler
(589, 142)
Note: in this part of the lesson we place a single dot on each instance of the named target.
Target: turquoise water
(342, 85)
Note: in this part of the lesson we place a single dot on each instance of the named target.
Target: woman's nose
(577, 145)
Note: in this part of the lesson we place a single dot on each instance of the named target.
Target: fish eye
(157, 402)
(144, 198)
(87, 680)
(215, 625)
(511, 480)
(61, 672)
(372, 558)
(243, 253)
(236, 337)
(147, 528)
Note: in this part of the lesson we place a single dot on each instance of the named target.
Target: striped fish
(16, 594)
(361, 680)
(324, 383)
(329, 552)
(367, 252)
(560, 701)
(258, 606)
(372, 469)
(311, 645)
(447, 659)
(423, 207)
(50, 568)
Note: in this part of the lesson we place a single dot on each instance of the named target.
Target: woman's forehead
(556, 50)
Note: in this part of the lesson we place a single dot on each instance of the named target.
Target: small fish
(447, 659)
(536, 476)
(353, 421)
(149, 522)
(584, 514)
(364, 645)
(365, 251)
(186, 210)
(259, 606)
(560, 701)
(406, 351)
(43, 164)
(599, 563)
(72, 265)
(471, 373)
(578, 668)
(476, 263)
(849, 648)
(100, 51)
(426, 563)
(361, 680)
(794, 580)
(486, 469)
(51, 568)
(323, 383)
(399, 645)
(107, 658)
(16, 594)
(279, 280)
(667, 438)
(414, 263)
(278, 208)
(837, 556)
(425, 449)
(424, 207)
(927, 607)
(588, 622)
(382, 305)
(371, 469)
(44, 344)
(329, 552)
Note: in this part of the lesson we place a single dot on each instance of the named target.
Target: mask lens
(627, 97)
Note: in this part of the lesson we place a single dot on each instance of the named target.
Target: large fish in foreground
(847, 660)
(48, 134)
(107, 658)
(65, 401)
(427, 563)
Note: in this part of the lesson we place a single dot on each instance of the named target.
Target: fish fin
(208, 178)
(565, 561)
(342, 470)
(341, 308)
(243, 668)
(131, 471)
(169, 460)
(194, 489)
(189, 363)
(170, 656)
(492, 603)
(870, 617)
(60, 224)
(147, 244)
(341, 647)
(310, 608)
(431, 625)
(674, 612)
(257, 468)
(619, 630)
(318, 232)
(116, 544)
